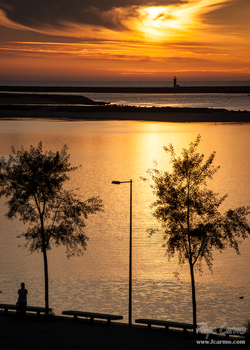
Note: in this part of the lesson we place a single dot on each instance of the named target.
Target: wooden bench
(36, 309)
(166, 324)
(92, 315)
(186, 326)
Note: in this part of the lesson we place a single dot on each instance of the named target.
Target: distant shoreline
(13, 98)
(134, 90)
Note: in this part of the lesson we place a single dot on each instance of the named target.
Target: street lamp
(130, 252)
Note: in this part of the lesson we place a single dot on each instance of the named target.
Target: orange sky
(125, 40)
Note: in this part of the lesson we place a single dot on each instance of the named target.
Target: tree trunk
(193, 297)
(46, 280)
(46, 274)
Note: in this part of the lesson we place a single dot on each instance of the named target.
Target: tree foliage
(65, 218)
(32, 181)
(188, 211)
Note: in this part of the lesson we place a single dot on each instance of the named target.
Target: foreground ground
(65, 334)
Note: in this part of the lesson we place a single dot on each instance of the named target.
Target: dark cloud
(233, 13)
(10, 34)
(162, 16)
(55, 13)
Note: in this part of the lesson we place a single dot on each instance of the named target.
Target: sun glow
(159, 17)
(159, 23)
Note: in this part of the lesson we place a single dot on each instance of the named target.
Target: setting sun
(162, 23)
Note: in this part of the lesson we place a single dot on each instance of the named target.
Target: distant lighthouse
(175, 80)
(175, 83)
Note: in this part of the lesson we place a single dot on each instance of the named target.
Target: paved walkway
(63, 333)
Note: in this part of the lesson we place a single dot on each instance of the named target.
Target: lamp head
(116, 182)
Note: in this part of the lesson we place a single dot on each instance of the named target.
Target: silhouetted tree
(32, 181)
(189, 212)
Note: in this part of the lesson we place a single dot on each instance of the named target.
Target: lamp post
(130, 252)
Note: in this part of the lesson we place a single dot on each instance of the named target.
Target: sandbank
(165, 114)
(73, 107)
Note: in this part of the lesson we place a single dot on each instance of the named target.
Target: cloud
(143, 20)
(57, 13)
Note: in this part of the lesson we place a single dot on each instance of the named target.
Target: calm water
(99, 280)
(234, 102)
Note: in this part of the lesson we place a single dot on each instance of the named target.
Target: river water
(231, 102)
(98, 281)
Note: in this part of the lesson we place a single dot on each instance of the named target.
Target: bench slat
(92, 315)
(164, 323)
(36, 309)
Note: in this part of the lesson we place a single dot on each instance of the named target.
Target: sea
(99, 280)
(234, 102)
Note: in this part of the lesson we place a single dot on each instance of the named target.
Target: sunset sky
(125, 39)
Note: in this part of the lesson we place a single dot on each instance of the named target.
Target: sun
(159, 23)
(159, 17)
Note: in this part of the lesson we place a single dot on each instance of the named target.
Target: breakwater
(139, 90)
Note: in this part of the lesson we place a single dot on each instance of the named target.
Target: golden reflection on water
(122, 151)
